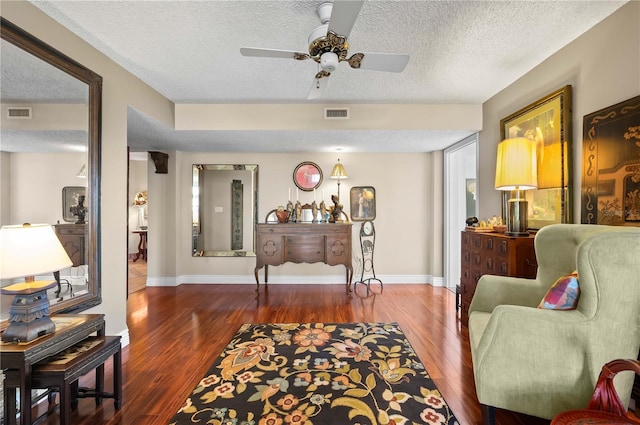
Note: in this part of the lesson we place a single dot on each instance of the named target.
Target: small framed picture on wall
(72, 196)
(363, 203)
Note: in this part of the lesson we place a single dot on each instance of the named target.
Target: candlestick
(296, 194)
(314, 193)
(289, 198)
(323, 194)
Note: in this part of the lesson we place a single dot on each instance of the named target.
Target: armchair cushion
(563, 294)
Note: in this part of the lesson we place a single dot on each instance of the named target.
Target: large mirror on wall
(225, 210)
(50, 152)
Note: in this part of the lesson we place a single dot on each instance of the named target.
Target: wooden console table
(73, 237)
(328, 243)
(70, 329)
(142, 245)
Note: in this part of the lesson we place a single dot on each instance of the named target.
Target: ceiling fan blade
(390, 62)
(272, 53)
(319, 86)
(344, 15)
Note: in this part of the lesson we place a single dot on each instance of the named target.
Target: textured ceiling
(461, 52)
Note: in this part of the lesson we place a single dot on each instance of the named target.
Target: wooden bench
(63, 370)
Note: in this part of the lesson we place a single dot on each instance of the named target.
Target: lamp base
(28, 331)
(516, 233)
(517, 217)
(29, 311)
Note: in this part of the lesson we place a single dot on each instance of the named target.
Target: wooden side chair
(605, 406)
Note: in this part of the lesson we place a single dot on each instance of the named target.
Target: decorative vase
(282, 216)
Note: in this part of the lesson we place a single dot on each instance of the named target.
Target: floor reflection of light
(140, 314)
(195, 326)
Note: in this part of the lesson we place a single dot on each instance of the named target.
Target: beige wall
(408, 220)
(602, 66)
(35, 185)
(5, 188)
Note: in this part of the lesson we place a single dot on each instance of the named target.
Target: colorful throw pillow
(563, 294)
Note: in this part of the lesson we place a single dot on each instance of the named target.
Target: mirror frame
(36, 47)
(197, 170)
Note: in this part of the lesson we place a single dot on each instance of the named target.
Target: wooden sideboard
(328, 243)
(73, 237)
(19, 357)
(493, 253)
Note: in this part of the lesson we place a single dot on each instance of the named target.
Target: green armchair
(542, 362)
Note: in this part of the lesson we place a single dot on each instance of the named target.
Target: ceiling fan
(328, 46)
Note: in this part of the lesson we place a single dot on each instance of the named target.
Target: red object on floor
(590, 417)
(605, 406)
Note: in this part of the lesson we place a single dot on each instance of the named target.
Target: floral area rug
(313, 374)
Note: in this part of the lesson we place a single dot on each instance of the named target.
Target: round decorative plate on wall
(307, 176)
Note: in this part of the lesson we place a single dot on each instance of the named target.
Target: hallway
(137, 274)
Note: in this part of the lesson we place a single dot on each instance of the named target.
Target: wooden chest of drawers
(328, 243)
(73, 237)
(492, 253)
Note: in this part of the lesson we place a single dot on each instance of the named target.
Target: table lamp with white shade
(516, 171)
(26, 251)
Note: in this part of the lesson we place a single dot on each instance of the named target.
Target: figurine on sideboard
(298, 214)
(323, 211)
(289, 211)
(79, 210)
(314, 211)
(336, 210)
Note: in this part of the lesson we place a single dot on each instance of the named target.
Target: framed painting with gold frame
(548, 122)
(363, 203)
(611, 165)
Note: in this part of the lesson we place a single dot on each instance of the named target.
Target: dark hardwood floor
(177, 333)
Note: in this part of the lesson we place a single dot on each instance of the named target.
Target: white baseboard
(124, 338)
(275, 280)
(162, 281)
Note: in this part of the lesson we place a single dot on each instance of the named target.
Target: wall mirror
(39, 80)
(225, 210)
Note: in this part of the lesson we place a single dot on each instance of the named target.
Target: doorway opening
(137, 222)
(460, 169)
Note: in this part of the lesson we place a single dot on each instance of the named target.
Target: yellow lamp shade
(338, 172)
(516, 165)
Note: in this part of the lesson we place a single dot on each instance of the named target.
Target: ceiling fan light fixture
(329, 61)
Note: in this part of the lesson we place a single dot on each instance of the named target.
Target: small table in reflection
(142, 245)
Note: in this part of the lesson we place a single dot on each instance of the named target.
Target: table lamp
(140, 201)
(338, 173)
(26, 251)
(516, 171)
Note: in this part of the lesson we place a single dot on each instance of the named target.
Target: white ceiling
(461, 52)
